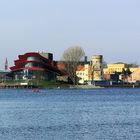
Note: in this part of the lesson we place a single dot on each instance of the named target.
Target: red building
(35, 65)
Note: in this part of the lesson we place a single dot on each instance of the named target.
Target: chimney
(85, 59)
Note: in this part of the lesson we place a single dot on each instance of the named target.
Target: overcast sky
(107, 27)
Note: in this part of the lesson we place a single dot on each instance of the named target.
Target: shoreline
(69, 87)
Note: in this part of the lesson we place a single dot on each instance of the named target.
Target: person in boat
(36, 90)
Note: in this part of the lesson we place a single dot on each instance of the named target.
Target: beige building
(88, 72)
(117, 67)
(135, 76)
(133, 69)
(112, 68)
(92, 71)
(84, 73)
(80, 74)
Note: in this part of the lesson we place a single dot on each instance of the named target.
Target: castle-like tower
(97, 70)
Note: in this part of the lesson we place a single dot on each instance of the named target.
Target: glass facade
(34, 67)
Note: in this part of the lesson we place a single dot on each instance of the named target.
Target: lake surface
(100, 114)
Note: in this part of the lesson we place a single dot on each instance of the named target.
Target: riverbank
(52, 85)
(84, 87)
(33, 84)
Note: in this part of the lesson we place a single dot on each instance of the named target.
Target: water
(102, 114)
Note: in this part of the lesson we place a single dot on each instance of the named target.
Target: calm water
(103, 114)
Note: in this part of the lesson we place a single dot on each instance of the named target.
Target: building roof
(80, 68)
(48, 65)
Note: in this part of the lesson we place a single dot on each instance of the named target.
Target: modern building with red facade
(34, 65)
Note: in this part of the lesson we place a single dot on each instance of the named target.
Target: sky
(107, 27)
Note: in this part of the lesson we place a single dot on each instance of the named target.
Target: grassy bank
(32, 84)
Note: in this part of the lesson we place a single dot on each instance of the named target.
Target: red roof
(80, 68)
(22, 61)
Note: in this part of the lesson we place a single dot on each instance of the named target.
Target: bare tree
(104, 64)
(72, 57)
(133, 64)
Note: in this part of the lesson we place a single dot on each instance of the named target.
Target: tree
(104, 64)
(123, 72)
(71, 58)
(126, 73)
(133, 64)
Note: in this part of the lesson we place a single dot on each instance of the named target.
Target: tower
(97, 69)
(6, 64)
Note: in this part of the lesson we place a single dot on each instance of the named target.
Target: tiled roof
(80, 68)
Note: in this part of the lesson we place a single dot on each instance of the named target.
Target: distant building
(35, 65)
(97, 62)
(6, 65)
(80, 73)
(95, 72)
(117, 67)
(84, 73)
(133, 69)
(3, 75)
(135, 76)
(88, 72)
(111, 77)
(91, 71)
(112, 68)
(61, 66)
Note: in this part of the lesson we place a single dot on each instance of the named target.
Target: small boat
(36, 90)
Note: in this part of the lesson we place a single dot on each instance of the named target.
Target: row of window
(32, 58)
(30, 65)
(115, 69)
(26, 74)
(78, 74)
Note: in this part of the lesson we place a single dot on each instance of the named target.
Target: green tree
(123, 72)
(128, 72)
